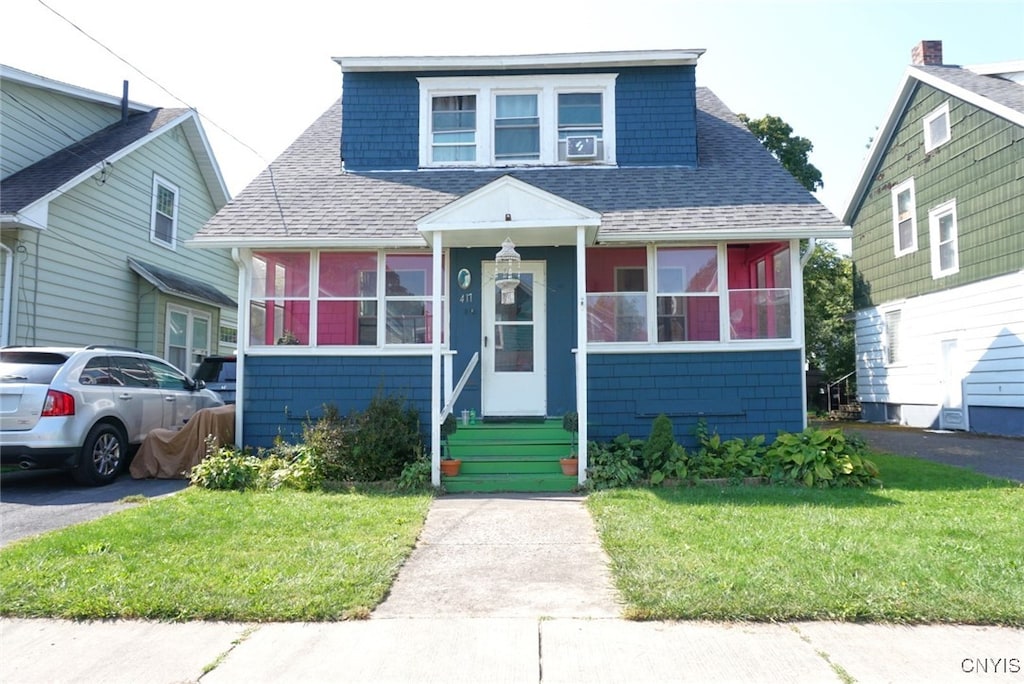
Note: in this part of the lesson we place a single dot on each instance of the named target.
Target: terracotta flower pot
(570, 466)
(451, 467)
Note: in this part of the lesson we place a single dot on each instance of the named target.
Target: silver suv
(82, 409)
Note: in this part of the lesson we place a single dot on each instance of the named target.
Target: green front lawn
(937, 544)
(216, 555)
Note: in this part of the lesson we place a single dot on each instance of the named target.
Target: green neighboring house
(938, 250)
(98, 196)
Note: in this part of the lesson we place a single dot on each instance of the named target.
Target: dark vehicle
(218, 372)
(83, 409)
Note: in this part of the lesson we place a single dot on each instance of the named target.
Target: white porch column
(435, 365)
(581, 350)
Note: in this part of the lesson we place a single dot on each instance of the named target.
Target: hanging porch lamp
(506, 272)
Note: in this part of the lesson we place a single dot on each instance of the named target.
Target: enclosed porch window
(352, 290)
(673, 295)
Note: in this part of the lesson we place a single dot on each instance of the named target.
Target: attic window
(936, 128)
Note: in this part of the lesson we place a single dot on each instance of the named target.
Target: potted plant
(449, 466)
(571, 424)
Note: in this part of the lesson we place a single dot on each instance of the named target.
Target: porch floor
(510, 456)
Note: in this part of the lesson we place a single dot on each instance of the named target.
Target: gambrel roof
(737, 189)
(999, 96)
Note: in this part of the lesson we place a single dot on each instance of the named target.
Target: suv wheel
(103, 456)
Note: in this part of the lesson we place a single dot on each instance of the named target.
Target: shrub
(387, 437)
(656, 450)
(614, 464)
(415, 475)
(820, 458)
(225, 467)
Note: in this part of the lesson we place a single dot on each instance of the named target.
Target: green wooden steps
(510, 457)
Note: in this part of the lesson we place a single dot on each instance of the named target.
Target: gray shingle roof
(737, 184)
(21, 189)
(169, 282)
(999, 90)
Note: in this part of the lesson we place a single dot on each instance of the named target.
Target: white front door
(514, 345)
(953, 412)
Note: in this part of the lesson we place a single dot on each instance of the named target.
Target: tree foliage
(791, 150)
(828, 311)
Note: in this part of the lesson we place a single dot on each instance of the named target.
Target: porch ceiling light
(506, 272)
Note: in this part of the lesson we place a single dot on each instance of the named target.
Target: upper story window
(510, 120)
(453, 128)
(936, 128)
(943, 233)
(164, 220)
(904, 218)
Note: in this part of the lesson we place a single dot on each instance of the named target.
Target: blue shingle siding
(280, 392)
(656, 117)
(380, 122)
(655, 110)
(740, 394)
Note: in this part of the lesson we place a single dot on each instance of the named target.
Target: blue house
(521, 236)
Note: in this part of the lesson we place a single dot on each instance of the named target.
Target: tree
(791, 150)
(828, 275)
(828, 308)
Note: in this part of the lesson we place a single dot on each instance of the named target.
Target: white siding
(986, 319)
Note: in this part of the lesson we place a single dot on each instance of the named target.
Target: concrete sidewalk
(503, 589)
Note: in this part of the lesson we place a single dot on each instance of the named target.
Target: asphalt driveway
(32, 502)
(994, 456)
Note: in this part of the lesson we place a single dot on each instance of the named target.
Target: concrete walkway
(504, 589)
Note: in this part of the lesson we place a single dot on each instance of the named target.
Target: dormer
(594, 109)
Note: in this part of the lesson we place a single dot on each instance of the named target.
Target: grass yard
(937, 544)
(216, 555)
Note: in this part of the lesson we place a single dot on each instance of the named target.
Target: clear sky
(260, 73)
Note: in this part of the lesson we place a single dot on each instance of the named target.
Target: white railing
(446, 411)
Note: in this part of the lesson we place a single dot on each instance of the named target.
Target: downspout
(435, 365)
(5, 324)
(799, 283)
(581, 351)
(242, 341)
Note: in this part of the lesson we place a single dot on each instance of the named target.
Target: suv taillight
(58, 404)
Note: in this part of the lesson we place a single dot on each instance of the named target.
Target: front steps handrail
(446, 411)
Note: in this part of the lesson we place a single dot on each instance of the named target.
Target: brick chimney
(927, 52)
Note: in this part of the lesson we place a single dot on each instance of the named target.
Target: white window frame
(159, 182)
(907, 185)
(940, 112)
(892, 354)
(192, 353)
(934, 217)
(547, 88)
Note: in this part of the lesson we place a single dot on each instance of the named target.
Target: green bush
(820, 458)
(614, 464)
(415, 475)
(387, 437)
(225, 467)
(657, 448)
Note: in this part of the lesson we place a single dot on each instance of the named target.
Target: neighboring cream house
(98, 196)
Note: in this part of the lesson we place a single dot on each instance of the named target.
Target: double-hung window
(164, 219)
(453, 128)
(512, 120)
(943, 233)
(904, 218)
(891, 340)
(516, 128)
